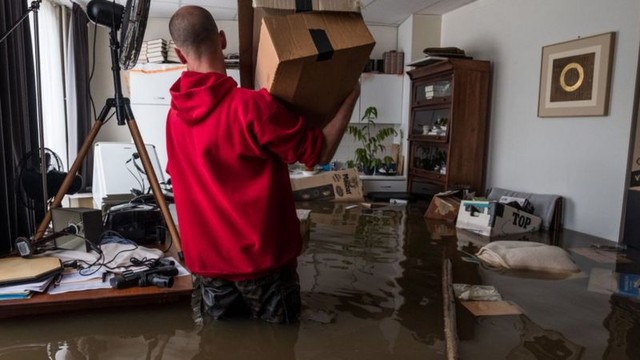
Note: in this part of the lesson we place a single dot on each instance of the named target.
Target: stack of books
(437, 54)
(171, 53)
(232, 61)
(153, 51)
(393, 62)
(21, 277)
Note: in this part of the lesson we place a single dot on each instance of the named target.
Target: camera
(161, 276)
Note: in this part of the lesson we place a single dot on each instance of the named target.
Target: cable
(93, 67)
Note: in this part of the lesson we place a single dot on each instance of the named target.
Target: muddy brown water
(371, 284)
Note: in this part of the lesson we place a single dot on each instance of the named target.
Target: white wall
(583, 159)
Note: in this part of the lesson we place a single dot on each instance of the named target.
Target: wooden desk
(95, 299)
(99, 298)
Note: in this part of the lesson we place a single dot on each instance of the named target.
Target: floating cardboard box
(343, 185)
(311, 60)
(490, 218)
(444, 206)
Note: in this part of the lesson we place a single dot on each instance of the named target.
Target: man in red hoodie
(228, 150)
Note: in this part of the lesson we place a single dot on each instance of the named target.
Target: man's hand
(334, 129)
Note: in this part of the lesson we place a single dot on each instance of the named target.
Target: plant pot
(369, 170)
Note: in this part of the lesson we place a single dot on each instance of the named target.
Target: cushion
(526, 255)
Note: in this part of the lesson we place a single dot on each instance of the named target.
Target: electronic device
(139, 222)
(160, 276)
(73, 229)
(89, 224)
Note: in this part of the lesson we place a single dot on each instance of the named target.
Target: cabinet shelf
(432, 176)
(448, 126)
(429, 138)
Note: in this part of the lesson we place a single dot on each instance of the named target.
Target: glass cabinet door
(430, 124)
(431, 92)
(429, 160)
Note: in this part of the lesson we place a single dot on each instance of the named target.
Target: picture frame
(575, 77)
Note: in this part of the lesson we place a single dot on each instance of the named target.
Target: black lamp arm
(35, 5)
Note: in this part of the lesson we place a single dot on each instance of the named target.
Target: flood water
(371, 285)
(367, 293)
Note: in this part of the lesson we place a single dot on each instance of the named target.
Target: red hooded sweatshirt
(228, 150)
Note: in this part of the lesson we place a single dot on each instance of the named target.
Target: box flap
(296, 36)
(309, 5)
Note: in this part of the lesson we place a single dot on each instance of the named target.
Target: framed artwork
(575, 77)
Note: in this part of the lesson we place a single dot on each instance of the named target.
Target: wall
(582, 159)
(414, 35)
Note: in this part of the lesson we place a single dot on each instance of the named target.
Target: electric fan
(130, 20)
(29, 181)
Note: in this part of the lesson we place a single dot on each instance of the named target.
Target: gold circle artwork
(573, 87)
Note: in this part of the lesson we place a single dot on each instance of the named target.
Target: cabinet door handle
(385, 187)
(158, 97)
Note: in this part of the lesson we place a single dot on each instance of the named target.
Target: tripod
(124, 115)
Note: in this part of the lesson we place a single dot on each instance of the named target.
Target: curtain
(78, 101)
(18, 120)
(52, 70)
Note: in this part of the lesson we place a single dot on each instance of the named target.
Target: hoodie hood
(195, 95)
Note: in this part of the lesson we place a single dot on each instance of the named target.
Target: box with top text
(491, 218)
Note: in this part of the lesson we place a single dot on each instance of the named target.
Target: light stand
(35, 6)
(124, 115)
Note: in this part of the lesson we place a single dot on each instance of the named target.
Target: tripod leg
(68, 180)
(153, 181)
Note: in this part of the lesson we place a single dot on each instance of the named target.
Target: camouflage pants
(274, 298)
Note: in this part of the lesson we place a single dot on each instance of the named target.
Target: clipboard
(15, 270)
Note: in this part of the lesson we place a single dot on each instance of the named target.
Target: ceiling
(375, 12)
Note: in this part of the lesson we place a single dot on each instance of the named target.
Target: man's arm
(335, 129)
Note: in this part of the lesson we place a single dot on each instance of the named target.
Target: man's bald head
(193, 29)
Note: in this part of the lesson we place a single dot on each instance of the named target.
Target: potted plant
(371, 143)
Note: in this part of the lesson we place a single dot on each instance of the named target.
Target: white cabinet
(150, 100)
(384, 91)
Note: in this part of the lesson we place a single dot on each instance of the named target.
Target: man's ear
(223, 40)
(181, 56)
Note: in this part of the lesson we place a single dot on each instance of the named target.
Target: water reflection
(371, 289)
(376, 264)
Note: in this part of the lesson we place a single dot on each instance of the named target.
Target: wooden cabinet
(448, 127)
(384, 91)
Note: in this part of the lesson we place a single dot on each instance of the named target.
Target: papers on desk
(74, 280)
(24, 290)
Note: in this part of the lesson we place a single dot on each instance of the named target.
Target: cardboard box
(491, 218)
(309, 5)
(311, 60)
(343, 185)
(444, 206)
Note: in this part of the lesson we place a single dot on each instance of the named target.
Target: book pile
(436, 54)
(232, 61)
(153, 51)
(171, 53)
(393, 62)
(21, 277)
